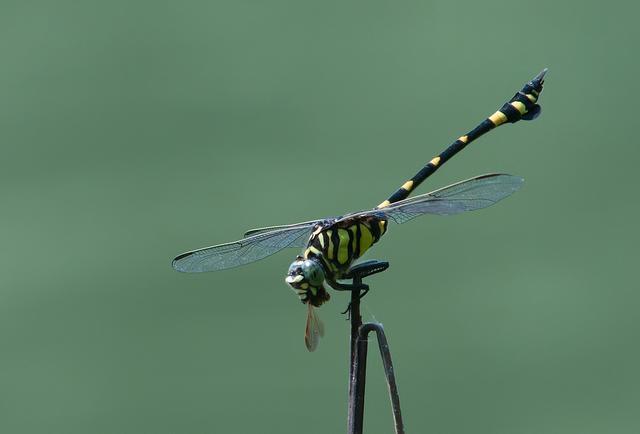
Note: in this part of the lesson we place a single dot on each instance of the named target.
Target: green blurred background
(132, 131)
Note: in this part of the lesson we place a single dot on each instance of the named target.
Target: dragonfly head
(306, 277)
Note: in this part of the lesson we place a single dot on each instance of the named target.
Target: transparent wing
(471, 194)
(300, 242)
(314, 329)
(244, 251)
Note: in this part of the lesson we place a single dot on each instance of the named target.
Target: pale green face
(303, 274)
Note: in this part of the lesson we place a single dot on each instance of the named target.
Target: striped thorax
(330, 252)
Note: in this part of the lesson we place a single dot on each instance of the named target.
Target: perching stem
(359, 346)
(361, 366)
(356, 403)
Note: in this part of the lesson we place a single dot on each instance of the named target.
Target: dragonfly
(330, 246)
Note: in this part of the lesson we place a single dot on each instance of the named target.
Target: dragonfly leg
(356, 274)
(364, 269)
(348, 286)
(347, 311)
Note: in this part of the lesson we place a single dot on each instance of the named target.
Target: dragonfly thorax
(306, 277)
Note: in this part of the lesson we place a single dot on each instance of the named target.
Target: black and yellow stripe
(522, 106)
(340, 244)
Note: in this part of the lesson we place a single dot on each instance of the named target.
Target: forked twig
(359, 346)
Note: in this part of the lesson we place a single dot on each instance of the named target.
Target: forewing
(300, 242)
(242, 252)
(469, 195)
(257, 231)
